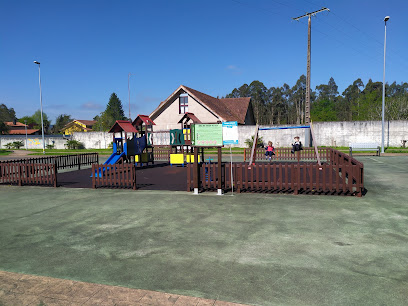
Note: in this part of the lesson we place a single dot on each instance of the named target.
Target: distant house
(18, 128)
(78, 126)
(205, 108)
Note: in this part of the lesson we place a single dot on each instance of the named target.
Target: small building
(18, 128)
(78, 126)
(205, 109)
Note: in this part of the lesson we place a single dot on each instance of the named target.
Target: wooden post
(133, 171)
(220, 191)
(55, 174)
(196, 171)
(19, 174)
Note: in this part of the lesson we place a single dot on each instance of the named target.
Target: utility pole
(130, 117)
(309, 34)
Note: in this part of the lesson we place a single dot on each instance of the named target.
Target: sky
(88, 48)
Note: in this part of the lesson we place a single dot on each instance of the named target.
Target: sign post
(230, 137)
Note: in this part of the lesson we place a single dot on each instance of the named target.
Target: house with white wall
(206, 108)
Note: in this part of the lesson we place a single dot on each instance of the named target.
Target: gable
(206, 108)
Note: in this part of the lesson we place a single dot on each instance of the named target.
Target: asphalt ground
(264, 249)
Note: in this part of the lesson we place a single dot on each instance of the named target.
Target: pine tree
(114, 111)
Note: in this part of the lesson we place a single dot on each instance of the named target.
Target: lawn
(4, 152)
(68, 151)
(262, 249)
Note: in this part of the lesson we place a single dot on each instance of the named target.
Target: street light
(383, 93)
(25, 126)
(42, 122)
(130, 118)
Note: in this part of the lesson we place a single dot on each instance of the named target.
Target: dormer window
(183, 104)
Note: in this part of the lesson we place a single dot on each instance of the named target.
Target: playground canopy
(140, 119)
(122, 125)
(189, 116)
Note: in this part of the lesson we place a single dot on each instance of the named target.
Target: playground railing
(114, 176)
(28, 174)
(339, 174)
(60, 161)
(161, 153)
(285, 154)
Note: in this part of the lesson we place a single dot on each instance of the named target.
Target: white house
(206, 108)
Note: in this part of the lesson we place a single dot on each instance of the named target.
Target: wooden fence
(285, 154)
(162, 153)
(340, 174)
(28, 174)
(60, 161)
(114, 176)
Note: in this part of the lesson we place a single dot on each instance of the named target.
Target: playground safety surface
(160, 176)
(262, 249)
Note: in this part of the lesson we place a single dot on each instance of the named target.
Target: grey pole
(42, 121)
(383, 93)
(130, 117)
(25, 122)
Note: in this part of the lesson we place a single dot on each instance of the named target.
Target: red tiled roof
(122, 125)
(238, 106)
(11, 124)
(22, 132)
(87, 122)
(143, 119)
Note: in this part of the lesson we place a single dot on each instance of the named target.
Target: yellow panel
(190, 158)
(177, 159)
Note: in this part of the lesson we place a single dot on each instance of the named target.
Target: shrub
(74, 145)
(50, 146)
(250, 141)
(14, 145)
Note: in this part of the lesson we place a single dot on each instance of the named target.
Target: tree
(6, 114)
(298, 101)
(114, 111)
(29, 121)
(3, 128)
(61, 121)
(351, 95)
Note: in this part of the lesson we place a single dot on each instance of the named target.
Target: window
(183, 104)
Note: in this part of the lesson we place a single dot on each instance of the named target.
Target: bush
(74, 145)
(250, 142)
(14, 145)
(50, 146)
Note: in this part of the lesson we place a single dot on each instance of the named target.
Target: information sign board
(230, 132)
(207, 135)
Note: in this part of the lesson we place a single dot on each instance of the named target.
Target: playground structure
(135, 143)
(181, 148)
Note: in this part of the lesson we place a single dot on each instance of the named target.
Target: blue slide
(113, 159)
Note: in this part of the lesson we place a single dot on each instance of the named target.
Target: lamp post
(383, 93)
(130, 118)
(42, 122)
(25, 123)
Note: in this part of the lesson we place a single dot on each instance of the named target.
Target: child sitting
(270, 151)
(297, 145)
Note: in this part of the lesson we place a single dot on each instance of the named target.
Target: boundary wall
(329, 134)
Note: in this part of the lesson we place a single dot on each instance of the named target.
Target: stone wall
(326, 133)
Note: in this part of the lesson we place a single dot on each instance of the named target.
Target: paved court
(258, 249)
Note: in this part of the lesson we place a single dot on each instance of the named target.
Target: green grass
(67, 151)
(4, 152)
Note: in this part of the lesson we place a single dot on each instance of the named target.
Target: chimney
(14, 121)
